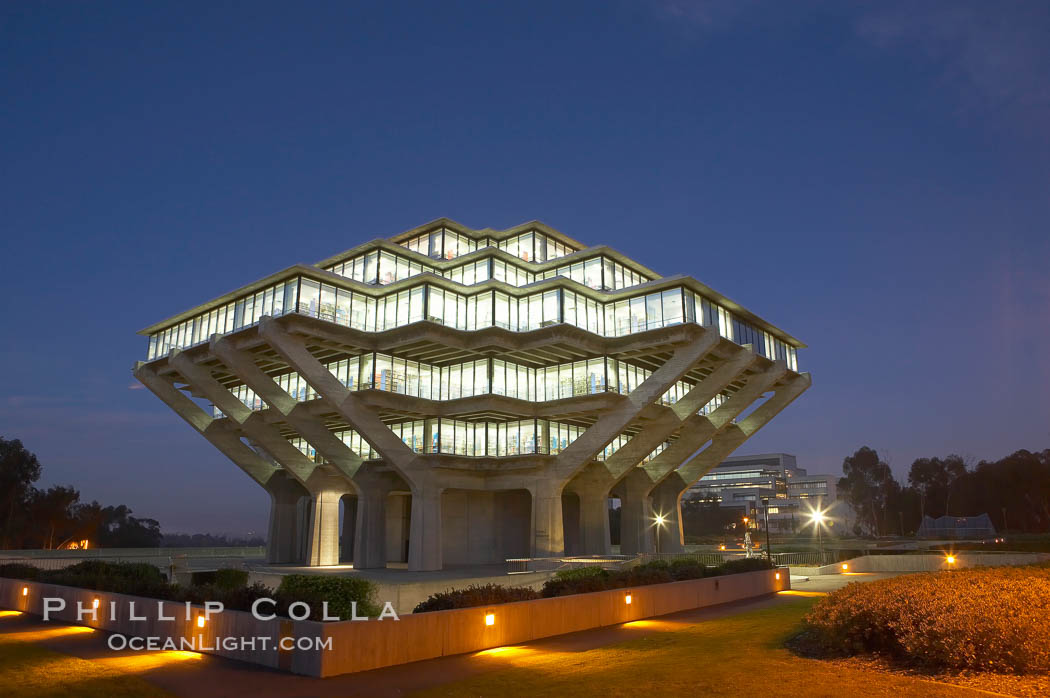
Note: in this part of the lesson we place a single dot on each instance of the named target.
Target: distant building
(747, 482)
(956, 527)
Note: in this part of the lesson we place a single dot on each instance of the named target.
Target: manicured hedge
(582, 580)
(988, 618)
(475, 595)
(587, 579)
(341, 593)
(226, 578)
(227, 585)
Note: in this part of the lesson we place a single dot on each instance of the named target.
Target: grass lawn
(28, 669)
(736, 655)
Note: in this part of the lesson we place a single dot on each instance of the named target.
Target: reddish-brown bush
(991, 618)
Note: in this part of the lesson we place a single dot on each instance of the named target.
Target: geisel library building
(468, 396)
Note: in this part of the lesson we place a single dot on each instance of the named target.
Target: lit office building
(751, 483)
(466, 396)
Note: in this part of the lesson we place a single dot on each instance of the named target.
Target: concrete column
(324, 528)
(281, 541)
(346, 538)
(594, 522)
(370, 529)
(548, 533)
(636, 514)
(668, 502)
(592, 486)
(424, 538)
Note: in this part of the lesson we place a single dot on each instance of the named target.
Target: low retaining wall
(359, 646)
(926, 563)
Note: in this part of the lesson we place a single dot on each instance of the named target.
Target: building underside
(451, 430)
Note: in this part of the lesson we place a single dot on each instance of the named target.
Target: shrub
(17, 570)
(225, 579)
(229, 578)
(655, 572)
(135, 578)
(982, 619)
(341, 593)
(745, 565)
(242, 598)
(475, 595)
(577, 581)
(686, 568)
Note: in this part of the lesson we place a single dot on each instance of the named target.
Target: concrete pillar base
(283, 531)
(424, 544)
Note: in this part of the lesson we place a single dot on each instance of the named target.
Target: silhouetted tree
(19, 469)
(867, 484)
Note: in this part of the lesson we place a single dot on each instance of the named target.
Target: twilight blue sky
(873, 177)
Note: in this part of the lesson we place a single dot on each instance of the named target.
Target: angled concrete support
(696, 431)
(218, 433)
(595, 482)
(294, 351)
(613, 422)
(251, 423)
(309, 427)
(732, 437)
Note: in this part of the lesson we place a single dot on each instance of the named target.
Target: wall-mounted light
(627, 599)
(777, 575)
(94, 603)
(844, 567)
(490, 619)
(200, 621)
(950, 559)
(25, 591)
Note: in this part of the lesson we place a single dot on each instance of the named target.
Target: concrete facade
(452, 396)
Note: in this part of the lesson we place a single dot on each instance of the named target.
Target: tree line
(55, 517)
(1014, 491)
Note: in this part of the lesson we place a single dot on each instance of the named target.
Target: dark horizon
(871, 179)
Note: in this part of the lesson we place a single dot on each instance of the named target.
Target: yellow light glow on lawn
(49, 633)
(5, 614)
(146, 661)
(490, 619)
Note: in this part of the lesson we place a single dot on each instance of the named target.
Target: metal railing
(522, 565)
(705, 558)
(811, 558)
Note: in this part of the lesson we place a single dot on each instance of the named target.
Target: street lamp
(765, 508)
(659, 520)
(817, 518)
